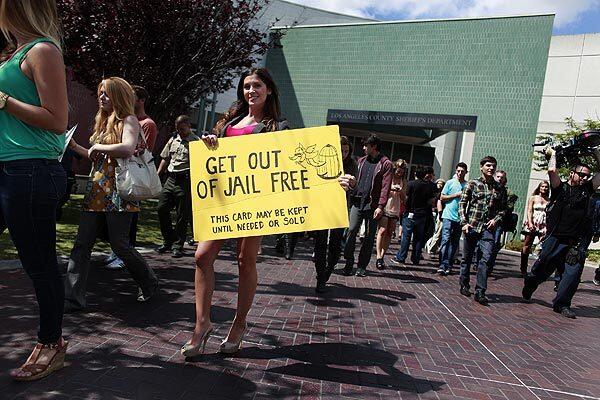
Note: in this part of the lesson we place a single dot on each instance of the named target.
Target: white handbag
(136, 177)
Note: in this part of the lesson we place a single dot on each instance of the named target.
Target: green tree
(572, 130)
(179, 50)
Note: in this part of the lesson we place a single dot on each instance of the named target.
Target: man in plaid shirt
(481, 209)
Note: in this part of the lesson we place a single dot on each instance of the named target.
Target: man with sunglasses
(566, 219)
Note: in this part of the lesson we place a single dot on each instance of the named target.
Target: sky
(572, 16)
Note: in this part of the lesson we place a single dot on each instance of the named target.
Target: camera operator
(567, 222)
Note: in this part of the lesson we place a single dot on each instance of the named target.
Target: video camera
(571, 152)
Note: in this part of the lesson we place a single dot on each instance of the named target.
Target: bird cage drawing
(325, 161)
(330, 167)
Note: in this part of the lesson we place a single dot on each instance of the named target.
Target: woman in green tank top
(33, 117)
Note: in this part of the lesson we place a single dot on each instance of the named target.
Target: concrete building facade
(457, 89)
(571, 86)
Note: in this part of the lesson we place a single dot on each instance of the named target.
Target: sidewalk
(396, 334)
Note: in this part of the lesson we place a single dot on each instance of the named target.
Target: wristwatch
(3, 98)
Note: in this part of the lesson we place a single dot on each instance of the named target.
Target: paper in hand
(68, 136)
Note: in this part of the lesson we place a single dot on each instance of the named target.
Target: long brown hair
(30, 18)
(272, 109)
(108, 127)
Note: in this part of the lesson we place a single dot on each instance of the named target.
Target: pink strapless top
(246, 130)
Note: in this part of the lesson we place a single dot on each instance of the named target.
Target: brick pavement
(396, 334)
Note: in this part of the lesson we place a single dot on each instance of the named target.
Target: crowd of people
(563, 216)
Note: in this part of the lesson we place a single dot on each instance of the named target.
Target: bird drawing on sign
(326, 161)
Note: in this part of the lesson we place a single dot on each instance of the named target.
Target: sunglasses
(583, 175)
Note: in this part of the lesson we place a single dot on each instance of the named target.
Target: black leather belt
(179, 175)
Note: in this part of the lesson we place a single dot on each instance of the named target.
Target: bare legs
(206, 254)
(247, 251)
(384, 235)
(525, 251)
(204, 284)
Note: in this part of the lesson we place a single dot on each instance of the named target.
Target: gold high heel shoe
(233, 347)
(188, 350)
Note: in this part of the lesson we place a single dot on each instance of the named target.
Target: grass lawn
(148, 234)
(592, 258)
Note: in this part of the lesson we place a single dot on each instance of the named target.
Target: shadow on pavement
(112, 373)
(342, 363)
(505, 298)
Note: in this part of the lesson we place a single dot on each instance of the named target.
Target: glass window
(386, 148)
(357, 146)
(411, 174)
(401, 150)
(423, 156)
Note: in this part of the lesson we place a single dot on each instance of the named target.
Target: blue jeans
(552, 256)
(480, 245)
(449, 244)
(497, 246)
(29, 193)
(412, 228)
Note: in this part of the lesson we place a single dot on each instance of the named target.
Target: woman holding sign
(33, 118)
(256, 110)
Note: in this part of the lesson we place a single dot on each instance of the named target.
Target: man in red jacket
(368, 197)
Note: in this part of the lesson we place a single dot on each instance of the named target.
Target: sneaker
(481, 298)
(361, 272)
(596, 280)
(394, 260)
(321, 287)
(112, 257)
(447, 272)
(556, 285)
(380, 264)
(192, 242)
(441, 271)
(163, 249)
(566, 312)
(464, 290)
(178, 253)
(117, 263)
(144, 297)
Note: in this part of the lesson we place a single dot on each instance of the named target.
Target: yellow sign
(268, 183)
